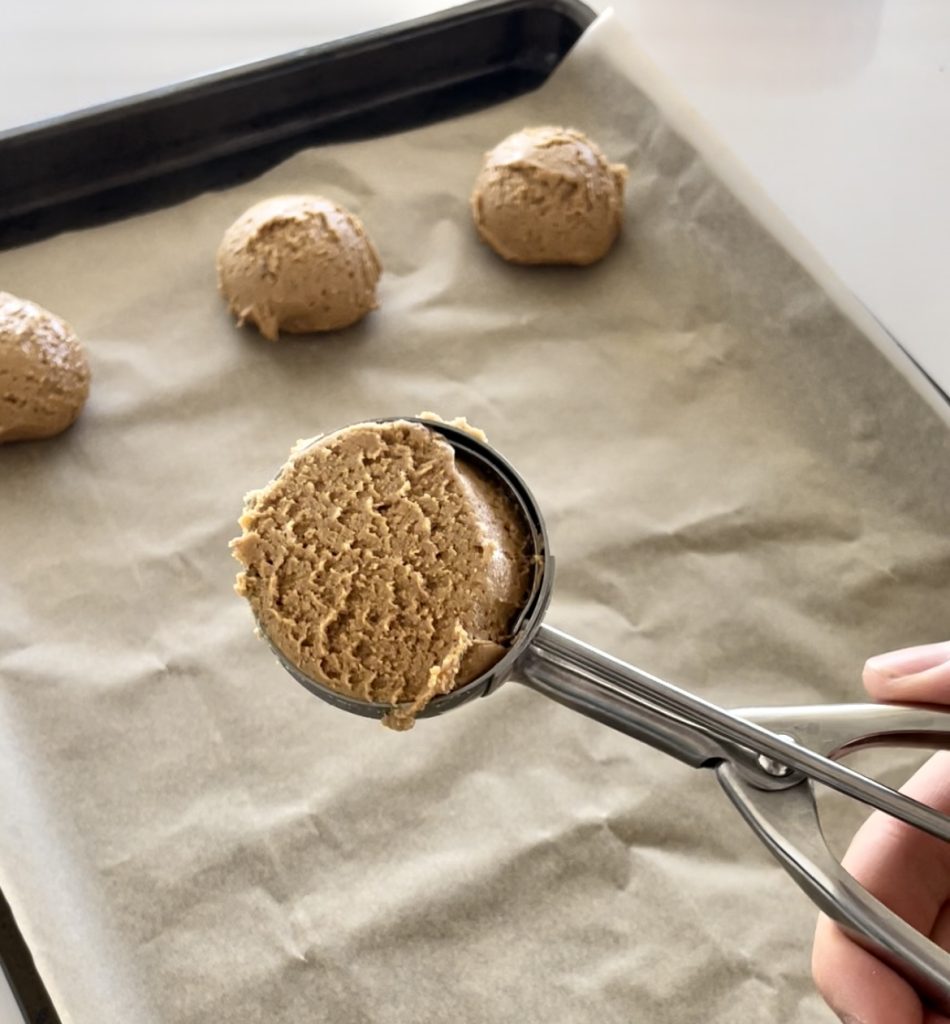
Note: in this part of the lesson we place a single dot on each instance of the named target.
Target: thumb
(913, 675)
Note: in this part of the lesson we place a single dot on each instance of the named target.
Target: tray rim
(358, 43)
(265, 106)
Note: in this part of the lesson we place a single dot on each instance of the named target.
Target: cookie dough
(548, 195)
(44, 375)
(298, 264)
(384, 567)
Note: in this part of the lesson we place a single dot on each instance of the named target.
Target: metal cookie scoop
(766, 759)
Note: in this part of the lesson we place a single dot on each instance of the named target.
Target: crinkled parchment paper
(745, 493)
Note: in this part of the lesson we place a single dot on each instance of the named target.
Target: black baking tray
(213, 132)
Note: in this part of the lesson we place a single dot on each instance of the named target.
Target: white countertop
(839, 107)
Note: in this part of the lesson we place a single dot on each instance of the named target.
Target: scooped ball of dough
(548, 195)
(298, 264)
(44, 375)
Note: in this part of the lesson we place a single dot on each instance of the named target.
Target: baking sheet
(744, 492)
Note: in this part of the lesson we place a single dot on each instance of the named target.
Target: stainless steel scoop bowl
(766, 759)
(529, 620)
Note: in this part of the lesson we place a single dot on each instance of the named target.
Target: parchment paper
(744, 494)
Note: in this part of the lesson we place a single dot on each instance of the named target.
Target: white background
(841, 108)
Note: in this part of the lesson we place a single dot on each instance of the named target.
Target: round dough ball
(298, 264)
(548, 195)
(44, 375)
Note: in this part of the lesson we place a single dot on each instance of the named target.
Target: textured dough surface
(382, 567)
(299, 264)
(549, 195)
(44, 375)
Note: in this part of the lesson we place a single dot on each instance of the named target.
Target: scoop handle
(719, 729)
(787, 823)
(839, 729)
(547, 671)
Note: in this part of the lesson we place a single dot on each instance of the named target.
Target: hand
(906, 869)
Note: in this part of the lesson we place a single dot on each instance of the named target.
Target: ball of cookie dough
(548, 195)
(298, 264)
(383, 565)
(44, 375)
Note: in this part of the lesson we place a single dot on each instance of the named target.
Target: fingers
(905, 868)
(857, 986)
(915, 674)
(909, 872)
(940, 933)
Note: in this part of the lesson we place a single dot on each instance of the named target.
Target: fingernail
(909, 661)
